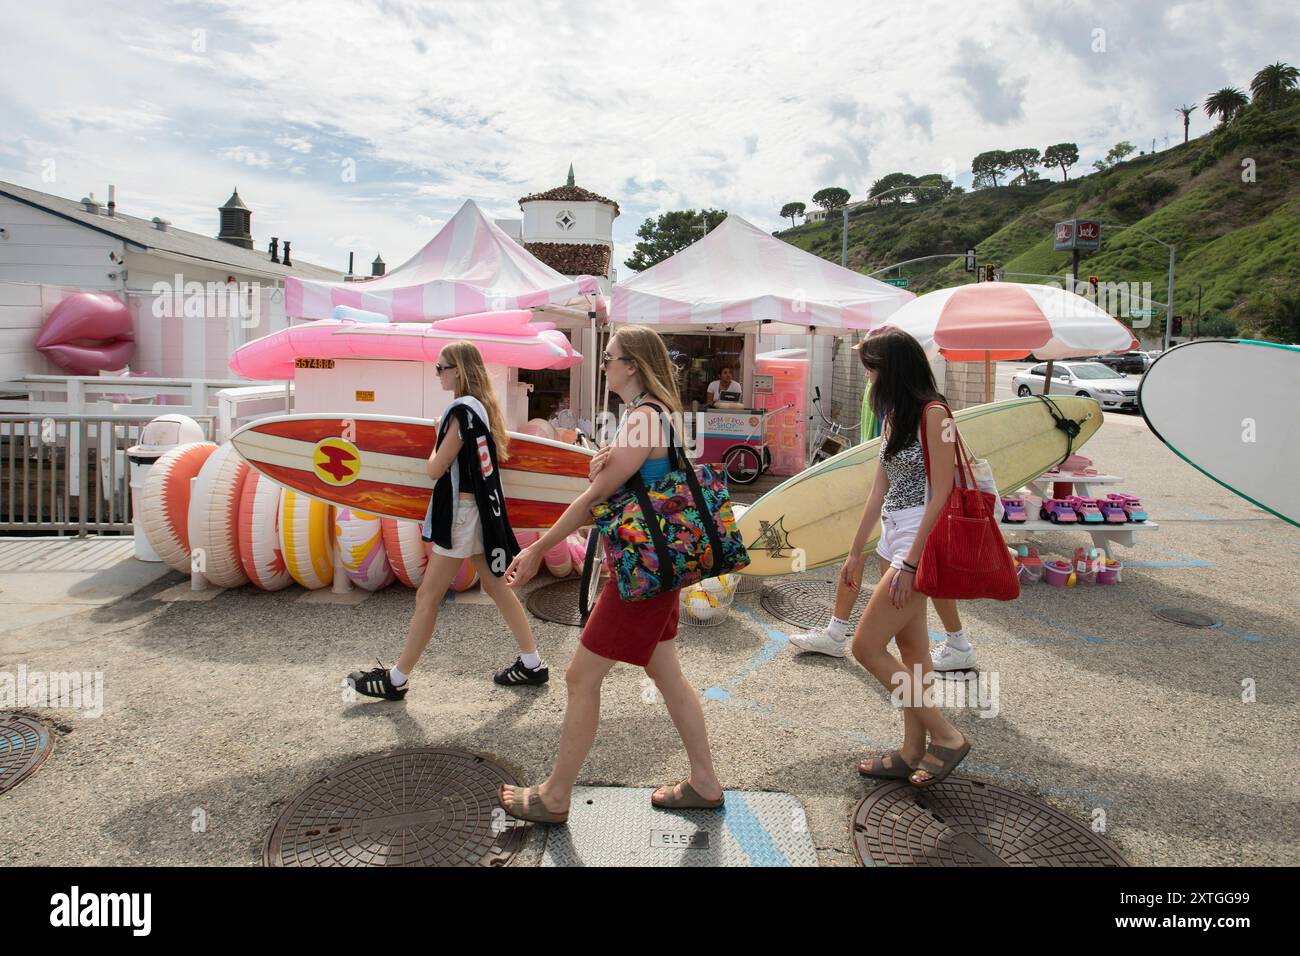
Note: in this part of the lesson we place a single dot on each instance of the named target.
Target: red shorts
(629, 631)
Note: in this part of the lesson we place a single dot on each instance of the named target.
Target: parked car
(1135, 361)
(1090, 379)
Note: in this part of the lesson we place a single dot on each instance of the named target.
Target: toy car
(1013, 511)
(1058, 511)
(1131, 504)
(1086, 509)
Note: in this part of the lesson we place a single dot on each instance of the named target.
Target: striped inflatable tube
(214, 518)
(165, 503)
(259, 533)
(305, 539)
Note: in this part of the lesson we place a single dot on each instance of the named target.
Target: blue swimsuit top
(654, 468)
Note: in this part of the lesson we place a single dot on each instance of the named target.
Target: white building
(50, 245)
(569, 228)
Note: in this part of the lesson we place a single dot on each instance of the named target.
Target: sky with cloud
(362, 125)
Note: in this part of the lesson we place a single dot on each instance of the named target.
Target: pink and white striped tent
(469, 266)
(740, 277)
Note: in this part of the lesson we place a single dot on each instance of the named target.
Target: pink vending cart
(788, 369)
(721, 428)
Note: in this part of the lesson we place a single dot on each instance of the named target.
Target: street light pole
(1169, 311)
(844, 239)
(1169, 301)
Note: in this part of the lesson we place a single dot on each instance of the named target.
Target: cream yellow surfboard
(818, 509)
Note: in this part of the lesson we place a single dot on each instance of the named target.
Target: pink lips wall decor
(87, 333)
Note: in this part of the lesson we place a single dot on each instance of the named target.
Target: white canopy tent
(742, 279)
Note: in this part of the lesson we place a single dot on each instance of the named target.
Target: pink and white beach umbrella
(1008, 320)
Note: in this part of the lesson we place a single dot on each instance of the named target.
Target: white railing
(232, 402)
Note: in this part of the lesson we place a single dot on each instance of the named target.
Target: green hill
(1238, 243)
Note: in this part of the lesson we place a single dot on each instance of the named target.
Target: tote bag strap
(965, 477)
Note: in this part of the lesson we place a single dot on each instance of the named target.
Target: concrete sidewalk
(230, 706)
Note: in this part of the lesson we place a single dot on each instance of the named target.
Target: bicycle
(830, 440)
(745, 461)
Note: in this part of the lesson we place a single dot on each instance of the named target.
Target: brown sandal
(689, 800)
(946, 757)
(521, 811)
(898, 769)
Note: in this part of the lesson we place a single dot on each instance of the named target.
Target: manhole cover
(1186, 617)
(429, 806)
(24, 744)
(807, 603)
(618, 826)
(556, 602)
(962, 822)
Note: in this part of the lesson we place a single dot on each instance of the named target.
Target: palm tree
(1226, 104)
(1271, 83)
(1187, 112)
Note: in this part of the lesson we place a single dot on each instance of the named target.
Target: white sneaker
(819, 641)
(947, 659)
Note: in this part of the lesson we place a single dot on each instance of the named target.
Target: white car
(1090, 379)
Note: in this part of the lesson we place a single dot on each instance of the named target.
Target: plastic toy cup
(1056, 573)
(1109, 572)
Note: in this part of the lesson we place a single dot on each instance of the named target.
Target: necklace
(636, 401)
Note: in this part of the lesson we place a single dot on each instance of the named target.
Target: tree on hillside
(932, 187)
(832, 197)
(1187, 112)
(988, 166)
(894, 181)
(671, 233)
(1025, 160)
(1271, 85)
(1114, 156)
(1063, 155)
(792, 209)
(1273, 314)
(1226, 104)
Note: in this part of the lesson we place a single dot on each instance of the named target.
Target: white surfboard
(1229, 409)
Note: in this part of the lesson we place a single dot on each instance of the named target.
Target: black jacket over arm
(477, 459)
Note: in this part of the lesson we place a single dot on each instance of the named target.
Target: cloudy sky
(363, 124)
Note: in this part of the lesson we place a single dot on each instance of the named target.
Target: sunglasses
(606, 358)
(442, 368)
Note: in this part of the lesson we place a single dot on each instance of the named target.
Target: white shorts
(466, 531)
(897, 532)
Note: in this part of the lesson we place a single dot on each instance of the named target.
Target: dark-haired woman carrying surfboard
(907, 503)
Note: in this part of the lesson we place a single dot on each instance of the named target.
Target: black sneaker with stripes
(376, 683)
(517, 674)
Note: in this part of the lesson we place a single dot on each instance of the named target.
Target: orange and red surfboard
(378, 464)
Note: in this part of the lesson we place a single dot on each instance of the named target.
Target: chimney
(112, 200)
(160, 224)
(275, 249)
(287, 263)
(377, 267)
(350, 263)
(91, 204)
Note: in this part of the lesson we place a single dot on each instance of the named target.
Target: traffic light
(1178, 325)
(1092, 284)
(990, 271)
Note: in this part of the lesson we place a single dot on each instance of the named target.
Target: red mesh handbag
(965, 556)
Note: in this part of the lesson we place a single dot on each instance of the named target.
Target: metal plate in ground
(25, 742)
(556, 602)
(963, 822)
(807, 603)
(1186, 617)
(618, 826)
(429, 806)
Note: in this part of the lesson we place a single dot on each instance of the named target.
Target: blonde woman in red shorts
(638, 368)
